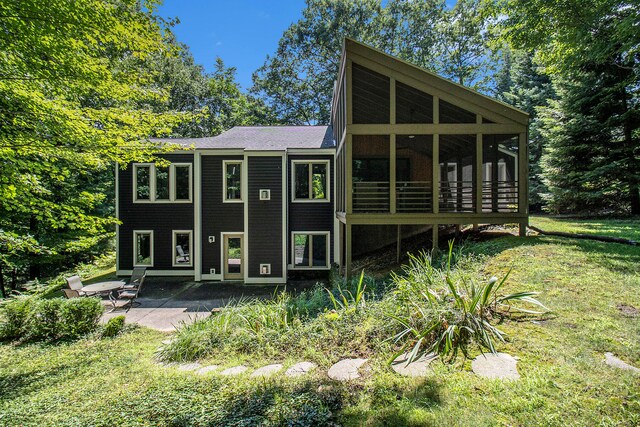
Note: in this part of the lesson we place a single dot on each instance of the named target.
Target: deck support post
(347, 262)
(399, 242)
(434, 237)
(523, 229)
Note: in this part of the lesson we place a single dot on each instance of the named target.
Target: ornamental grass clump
(445, 311)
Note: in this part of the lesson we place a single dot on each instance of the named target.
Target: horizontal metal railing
(414, 196)
(371, 196)
(456, 196)
(499, 196)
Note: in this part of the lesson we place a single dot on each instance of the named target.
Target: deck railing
(371, 196)
(414, 196)
(499, 196)
(456, 196)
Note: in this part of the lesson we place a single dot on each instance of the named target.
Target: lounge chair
(75, 284)
(137, 278)
(182, 254)
(70, 293)
(131, 295)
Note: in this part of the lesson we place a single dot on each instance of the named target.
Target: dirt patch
(628, 310)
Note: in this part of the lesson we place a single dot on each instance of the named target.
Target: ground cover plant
(564, 382)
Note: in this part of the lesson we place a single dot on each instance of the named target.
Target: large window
(232, 181)
(162, 183)
(311, 181)
(143, 248)
(182, 242)
(310, 249)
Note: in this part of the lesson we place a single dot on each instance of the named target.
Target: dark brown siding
(162, 218)
(217, 216)
(265, 217)
(310, 216)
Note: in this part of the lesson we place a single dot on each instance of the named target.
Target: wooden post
(434, 237)
(523, 182)
(392, 173)
(478, 167)
(398, 243)
(347, 235)
(348, 173)
(436, 174)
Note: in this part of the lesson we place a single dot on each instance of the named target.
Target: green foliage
(37, 319)
(348, 301)
(113, 327)
(444, 311)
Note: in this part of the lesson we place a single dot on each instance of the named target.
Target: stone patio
(166, 302)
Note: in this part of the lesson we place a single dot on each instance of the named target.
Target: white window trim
(174, 244)
(152, 183)
(224, 181)
(310, 162)
(135, 247)
(310, 267)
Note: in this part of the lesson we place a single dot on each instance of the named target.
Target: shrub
(16, 313)
(113, 327)
(36, 319)
(79, 316)
(444, 310)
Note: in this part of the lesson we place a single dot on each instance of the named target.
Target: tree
(591, 50)
(524, 85)
(75, 98)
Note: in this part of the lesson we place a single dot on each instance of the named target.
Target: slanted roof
(263, 138)
(430, 83)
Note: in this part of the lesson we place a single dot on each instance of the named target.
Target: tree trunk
(2, 291)
(635, 199)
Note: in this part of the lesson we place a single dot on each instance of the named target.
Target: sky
(241, 32)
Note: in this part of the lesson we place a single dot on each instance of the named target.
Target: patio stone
(206, 369)
(236, 370)
(418, 368)
(265, 371)
(612, 360)
(346, 369)
(300, 369)
(189, 366)
(499, 365)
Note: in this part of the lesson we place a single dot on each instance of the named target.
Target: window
(143, 248)
(310, 250)
(182, 243)
(310, 181)
(232, 181)
(162, 183)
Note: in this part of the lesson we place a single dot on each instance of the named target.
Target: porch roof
(262, 138)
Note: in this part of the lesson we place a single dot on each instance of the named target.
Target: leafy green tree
(591, 50)
(75, 97)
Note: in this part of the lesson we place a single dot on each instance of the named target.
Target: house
(407, 152)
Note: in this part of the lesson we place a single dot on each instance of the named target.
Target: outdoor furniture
(182, 254)
(70, 293)
(75, 284)
(131, 295)
(105, 288)
(137, 278)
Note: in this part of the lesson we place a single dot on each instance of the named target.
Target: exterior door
(233, 257)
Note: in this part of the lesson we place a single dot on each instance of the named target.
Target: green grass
(564, 382)
(623, 228)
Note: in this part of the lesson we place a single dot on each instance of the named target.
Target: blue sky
(241, 32)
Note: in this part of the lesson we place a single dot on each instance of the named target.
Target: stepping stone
(265, 371)
(166, 342)
(612, 360)
(346, 369)
(189, 366)
(300, 369)
(418, 368)
(236, 370)
(207, 369)
(499, 365)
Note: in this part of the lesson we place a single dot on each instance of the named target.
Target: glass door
(233, 259)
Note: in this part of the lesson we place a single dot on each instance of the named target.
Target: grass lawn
(564, 380)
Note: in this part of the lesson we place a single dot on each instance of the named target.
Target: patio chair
(131, 295)
(182, 254)
(70, 293)
(137, 278)
(75, 284)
